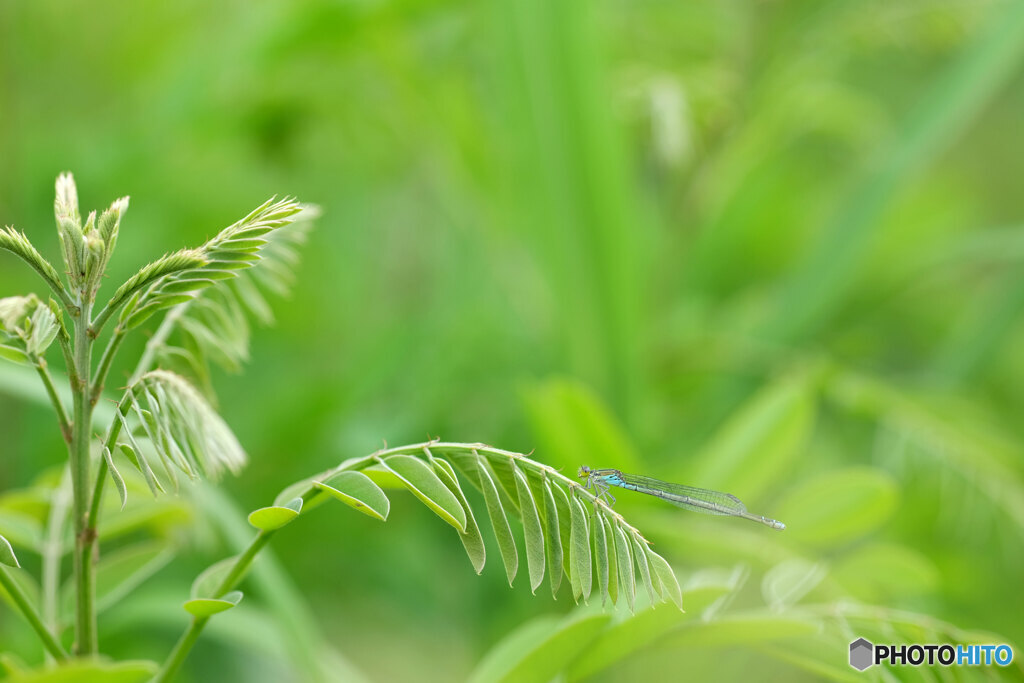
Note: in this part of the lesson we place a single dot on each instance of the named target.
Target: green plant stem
(85, 608)
(102, 317)
(30, 614)
(195, 627)
(105, 362)
(51, 391)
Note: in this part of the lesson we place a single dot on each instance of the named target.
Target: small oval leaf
(274, 516)
(356, 490)
(839, 506)
(207, 607)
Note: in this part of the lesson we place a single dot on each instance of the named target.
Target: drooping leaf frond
(567, 531)
(163, 414)
(214, 326)
(176, 278)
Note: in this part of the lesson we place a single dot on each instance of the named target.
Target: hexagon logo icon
(861, 654)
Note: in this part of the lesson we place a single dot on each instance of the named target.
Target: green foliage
(758, 247)
(425, 471)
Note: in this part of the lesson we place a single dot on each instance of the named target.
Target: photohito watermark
(864, 653)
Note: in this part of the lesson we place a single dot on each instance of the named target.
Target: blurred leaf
(641, 630)
(838, 506)
(207, 607)
(275, 516)
(357, 491)
(788, 582)
(816, 654)
(982, 453)
(757, 446)
(206, 584)
(883, 571)
(421, 481)
(540, 649)
(156, 516)
(739, 629)
(576, 428)
(118, 573)
(23, 530)
(954, 98)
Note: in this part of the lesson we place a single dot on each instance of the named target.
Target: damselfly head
(584, 472)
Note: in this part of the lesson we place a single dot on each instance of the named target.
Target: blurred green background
(773, 248)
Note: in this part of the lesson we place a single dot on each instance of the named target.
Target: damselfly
(689, 497)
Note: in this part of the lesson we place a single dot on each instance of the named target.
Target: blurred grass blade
(949, 105)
